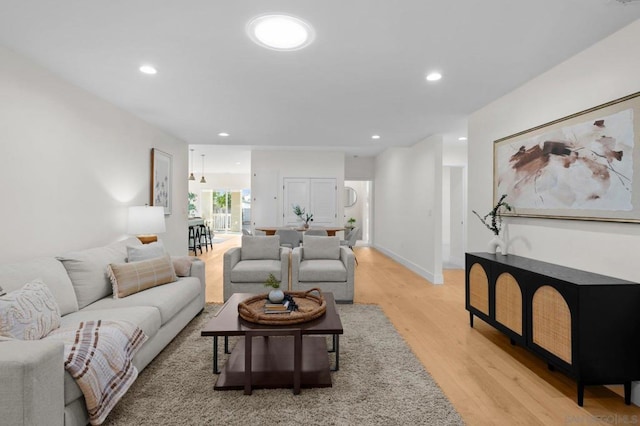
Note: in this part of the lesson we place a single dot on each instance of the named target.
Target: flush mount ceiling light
(280, 32)
(148, 69)
(375, 137)
(223, 134)
(434, 76)
(462, 138)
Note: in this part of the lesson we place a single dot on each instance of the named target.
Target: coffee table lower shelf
(272, 364)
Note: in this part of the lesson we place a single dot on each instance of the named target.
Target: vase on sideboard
(497, 245)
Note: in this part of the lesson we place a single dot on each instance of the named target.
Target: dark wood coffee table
(271, 361)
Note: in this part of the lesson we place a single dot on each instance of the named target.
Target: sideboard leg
(580, 393)
(551, 367)
(627, 393)
(471, 319)
(513, 342)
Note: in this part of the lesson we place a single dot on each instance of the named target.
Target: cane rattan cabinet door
(551, 322)
(479, 288)
(509, 310)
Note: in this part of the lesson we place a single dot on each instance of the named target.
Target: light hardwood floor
(489, 381)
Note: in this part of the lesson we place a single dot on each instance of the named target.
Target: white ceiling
(363, 74)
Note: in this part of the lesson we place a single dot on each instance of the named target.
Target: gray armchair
(246, 268)
(323, 263)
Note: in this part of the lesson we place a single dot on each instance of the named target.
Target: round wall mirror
(350, 196)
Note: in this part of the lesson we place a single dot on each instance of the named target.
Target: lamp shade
(146, 220)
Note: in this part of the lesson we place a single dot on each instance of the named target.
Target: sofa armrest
(198, 271)
(285, 253)
(296, 258)
(32, 377)
(229, 260)
(348, 258)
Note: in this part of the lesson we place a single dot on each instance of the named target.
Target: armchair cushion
(327, 270)
(259, 248)
(256, 271)
(318, 247)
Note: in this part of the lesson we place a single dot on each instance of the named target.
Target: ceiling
(364, 73)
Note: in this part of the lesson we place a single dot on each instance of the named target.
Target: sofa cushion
(133, 277)
(182, 265)
(145, 251)
(256, 271)
(145, 317)
(29, 313)
(169, 298)
(318, 247)
(255, 248)
(50, 271)
(322, 270)
(88, 269)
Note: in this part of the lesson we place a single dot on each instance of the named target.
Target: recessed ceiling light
(148, 69)
(280, 32)
(462, 138)
(223, 134)
(375, 137)
(237, 163)
(434, 76)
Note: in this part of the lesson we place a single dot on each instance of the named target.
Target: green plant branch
(495, 215)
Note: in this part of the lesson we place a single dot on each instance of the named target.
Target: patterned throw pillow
(133, 277)
(29, 313)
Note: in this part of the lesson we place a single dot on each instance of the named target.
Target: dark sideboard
(583, 324)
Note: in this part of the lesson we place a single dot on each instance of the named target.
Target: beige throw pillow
(29, 313)
(133, 277)
(182, 265)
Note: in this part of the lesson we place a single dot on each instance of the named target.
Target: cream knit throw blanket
(98, 356)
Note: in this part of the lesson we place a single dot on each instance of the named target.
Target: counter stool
(194, 239)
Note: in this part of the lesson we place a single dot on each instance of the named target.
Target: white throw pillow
(145, 252)
(29, 313)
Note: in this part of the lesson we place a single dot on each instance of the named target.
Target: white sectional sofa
(35, 389)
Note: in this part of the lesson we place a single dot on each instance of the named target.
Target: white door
(264, 205)
(456, 256)
(322, 201)
(296, 192)
(315, 195)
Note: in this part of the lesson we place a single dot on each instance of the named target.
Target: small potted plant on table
(275, 295)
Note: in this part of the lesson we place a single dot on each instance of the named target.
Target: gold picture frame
(577, 167)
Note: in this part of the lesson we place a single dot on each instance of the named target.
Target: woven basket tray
(310, 307)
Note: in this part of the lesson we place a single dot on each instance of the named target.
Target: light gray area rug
(380, 382)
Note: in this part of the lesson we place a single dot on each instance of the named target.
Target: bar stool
(194, 239)
(205, 234)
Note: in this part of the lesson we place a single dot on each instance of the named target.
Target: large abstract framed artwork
(161, 164)
(577, 167)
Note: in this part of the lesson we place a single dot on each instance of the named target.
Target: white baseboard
(428, 275)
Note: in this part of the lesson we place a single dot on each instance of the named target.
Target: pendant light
(203, 180)
(191, 176)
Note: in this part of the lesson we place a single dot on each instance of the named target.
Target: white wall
(407, 207)
(359, 168)
(608, 70)
(282, 164)
(71, 164)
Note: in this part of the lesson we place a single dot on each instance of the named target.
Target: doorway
(453, 208)
(357, 206)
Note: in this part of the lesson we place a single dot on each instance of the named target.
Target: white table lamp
(145, 222)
